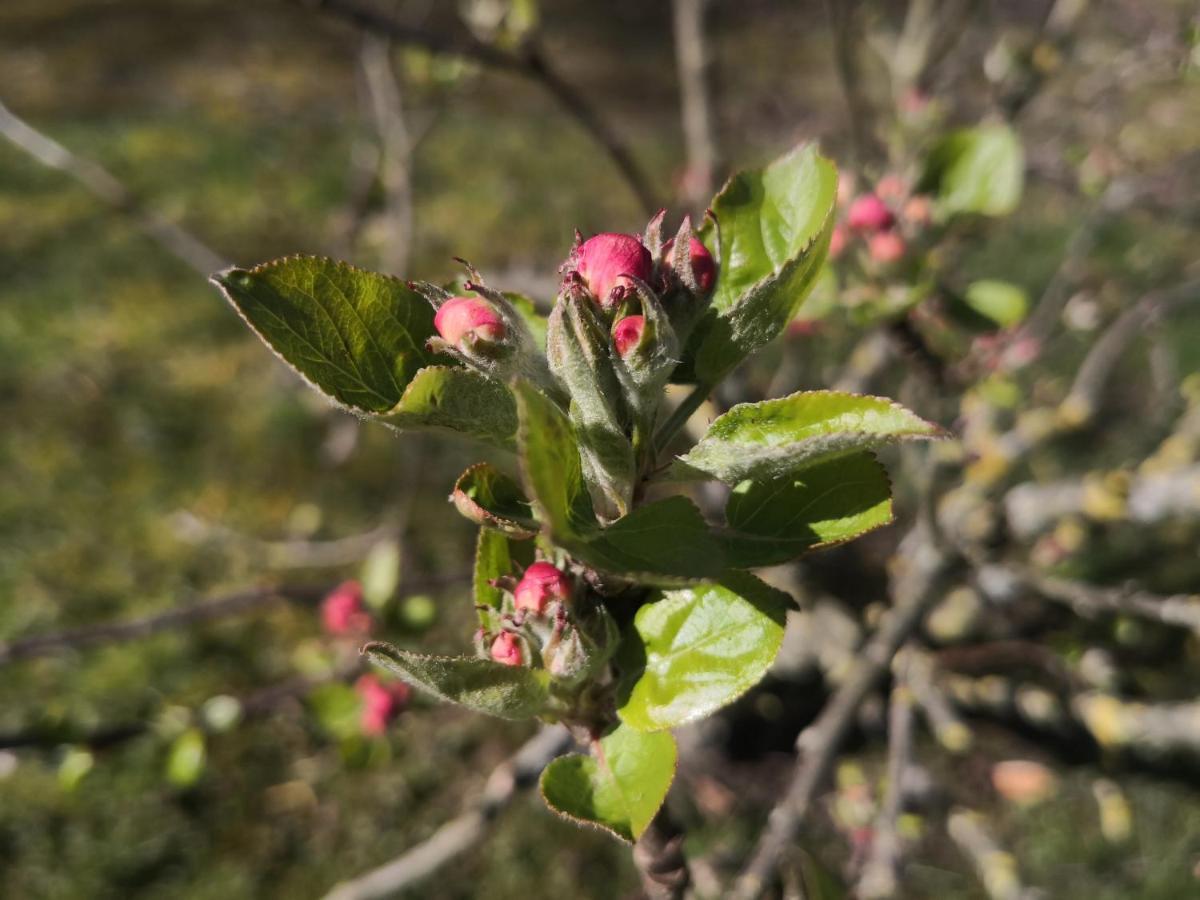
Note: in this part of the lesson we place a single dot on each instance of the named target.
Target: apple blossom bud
(342, 610)
(886, 247)
(462, 317)
(382, 703)
(869, 213)
(918, 210)
(627, 334)
(606, 261)
(891, 188)
(704, 267)
(540, 584)
(506, 649)
(837, 241)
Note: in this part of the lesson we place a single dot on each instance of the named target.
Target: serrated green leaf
(773, 438)
(774, 521)
(620, 788)
(698, 649)
(509, 692)
(358, 337)
(488, 497)
(976, 170)
(458, 401)
(185, 759)
(1001, 301)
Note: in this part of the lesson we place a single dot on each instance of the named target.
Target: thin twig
(459, 835)
(841, 15)
(180, 243)
(692, 64)
(997, 868)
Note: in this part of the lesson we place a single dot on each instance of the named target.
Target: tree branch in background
(997, 868)
(529, 62)
(846, 41)
(699, 139)
(459, 835)
(180, 243)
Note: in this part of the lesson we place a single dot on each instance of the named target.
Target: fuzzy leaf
(509, 692)
(459, 401)
(495, 557)
(698, 649)
(976, 170)
(774, 521)
(622, 790)
(773, 438)
(488, 497)
(358, 337)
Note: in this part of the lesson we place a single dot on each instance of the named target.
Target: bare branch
(461, 834)
(846, 39)
(181, 244)
(692, 63)
(997, 868)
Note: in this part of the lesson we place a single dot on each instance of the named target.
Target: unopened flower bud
(891, 188)
(462, 317)
(837, 241)
(704, 267)
(541, 584)
(342, 610)
(869, 213)
(506, 649)
(382, 703)
(918, 210)
(627, 334)
(606, 262)
(886, 247)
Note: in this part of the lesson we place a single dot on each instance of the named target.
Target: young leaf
(773, 438)
(976, 170)
(509, 692)
(495, 557)
(488, 497)
(698, 649)
(620, 788)
(774, 521)
(359, 337)
(185, 760)
(1002, 302)
(460, 401)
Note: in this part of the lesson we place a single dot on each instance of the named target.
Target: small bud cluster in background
(382, 703)
(343, 613)
(887, 219)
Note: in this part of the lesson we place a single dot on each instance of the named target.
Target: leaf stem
(667, 431)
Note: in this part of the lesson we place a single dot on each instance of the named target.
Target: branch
(529, 62)
(285, 554)
(845, 51)
(692, 63)
(997, 868)
(180, 243)
(915, 589)
(461, 834)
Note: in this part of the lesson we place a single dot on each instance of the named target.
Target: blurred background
(161, 471)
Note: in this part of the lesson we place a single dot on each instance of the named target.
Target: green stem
(679, 417)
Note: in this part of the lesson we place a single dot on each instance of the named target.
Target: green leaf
(976, 170)
(496, 557)
(338, 708)
(550, 464)
(357, 336)
(774, 233)
(620, 788)
(528, 311)
(1002, 302)
(773, 438)
(488, 497)
(509, 692)
(380, 573)
(185, 759)
(777, 520)
(698, 649)
(459, 401)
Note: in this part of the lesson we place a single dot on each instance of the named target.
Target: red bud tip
(460, 317)
(382, 703)
(837, 241)
(704, 267)
(342, 610)
(627, 334)
(506, 649)
(869, 213)
(886, 247)
(605, 262)
(540, 584)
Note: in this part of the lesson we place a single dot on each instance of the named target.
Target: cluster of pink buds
(535, 596)
(382, 702)
(878, 217)
(606, 264)
(464, 321)
(343, 613)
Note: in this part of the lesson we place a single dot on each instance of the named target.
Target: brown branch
(98, 181)
(841, 16)
(692, 63)
(997, 868)
(459, 835)
(529, 62)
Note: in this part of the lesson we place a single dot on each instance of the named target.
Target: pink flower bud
(704, 267)
(918, 210)
(869, 213)
(342, 610)
(627, 334)
(382, 703)
(540, 584)
(837, 241)
(886, 247)
(606, 261)
(506, 649)
(461, 317)
(891, 188)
